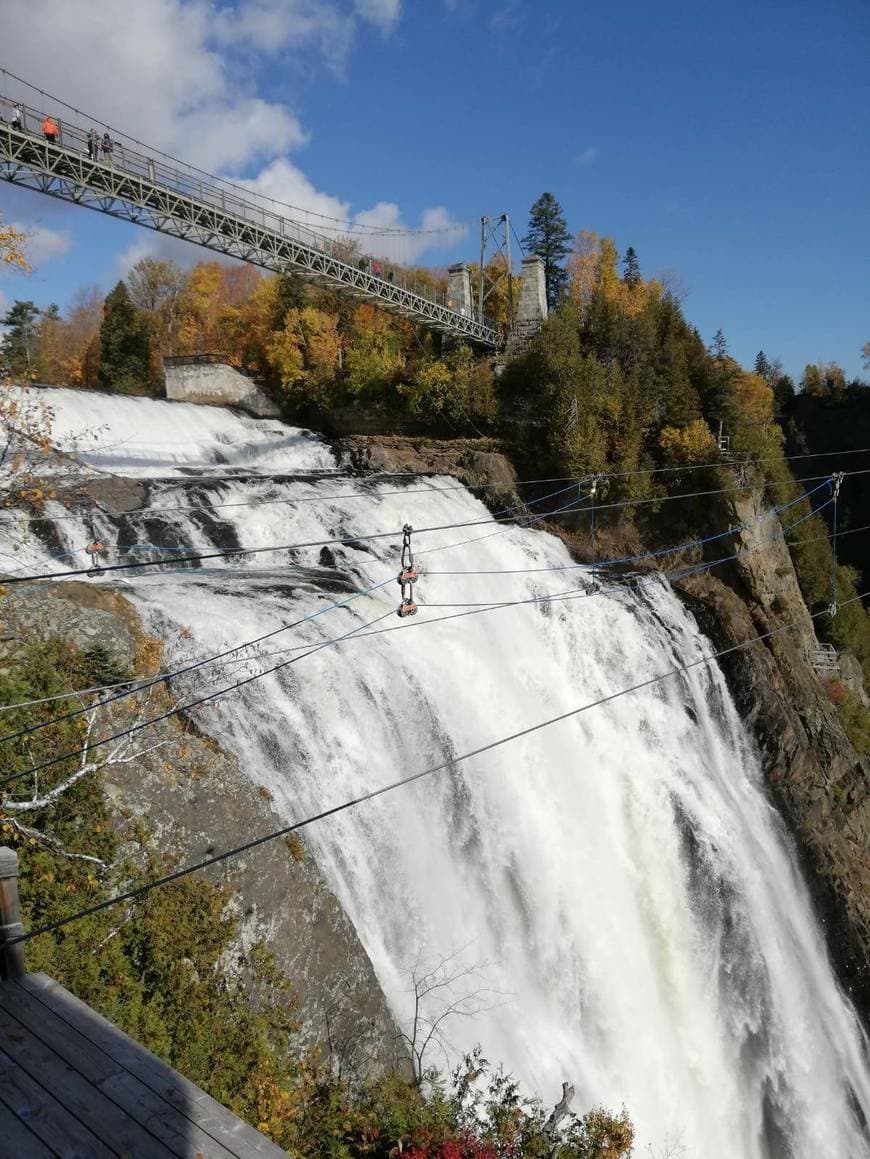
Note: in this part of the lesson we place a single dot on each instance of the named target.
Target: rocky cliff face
(192, 800)
(814, 772)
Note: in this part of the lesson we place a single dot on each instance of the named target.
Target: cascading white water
(622, 875)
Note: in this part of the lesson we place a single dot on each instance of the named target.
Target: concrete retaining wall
(216, 384)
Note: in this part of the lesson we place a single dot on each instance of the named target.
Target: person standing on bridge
(107, 147)
(93, 145)
(17, 121)
(49, 129)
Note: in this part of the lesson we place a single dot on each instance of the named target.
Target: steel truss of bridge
(146, 191)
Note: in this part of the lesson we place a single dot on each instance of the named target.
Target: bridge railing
(220, 193)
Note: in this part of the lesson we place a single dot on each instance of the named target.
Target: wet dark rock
(475, 462)
(819, 782)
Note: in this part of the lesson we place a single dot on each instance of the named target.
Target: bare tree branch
(120, 754)
(52, 842)
(439, 994)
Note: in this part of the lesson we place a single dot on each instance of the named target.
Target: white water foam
(623, 873)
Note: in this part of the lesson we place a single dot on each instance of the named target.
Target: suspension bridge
(148, 188)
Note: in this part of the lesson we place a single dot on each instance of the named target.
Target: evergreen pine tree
(783, 395)
(631, 267)
(124, 345)
(17, 348)
(762, 365)
(548, 237)
(719, 349)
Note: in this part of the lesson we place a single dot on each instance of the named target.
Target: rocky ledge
(475, 462)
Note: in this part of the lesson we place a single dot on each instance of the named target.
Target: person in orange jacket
(49, 129)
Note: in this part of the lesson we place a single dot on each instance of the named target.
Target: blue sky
(727, 143)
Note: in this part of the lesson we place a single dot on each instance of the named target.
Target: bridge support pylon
(459, 289)
(532, 309)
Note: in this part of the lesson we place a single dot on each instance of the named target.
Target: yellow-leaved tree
(307, 355)
(592, 268)
(12, 243)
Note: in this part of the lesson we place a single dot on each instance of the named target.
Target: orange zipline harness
(94, 549)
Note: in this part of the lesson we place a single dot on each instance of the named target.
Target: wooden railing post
(11, 956)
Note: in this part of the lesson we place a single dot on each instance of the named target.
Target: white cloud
(43, 244)
(272, 26)
(587, 155)
(181, 75)
(384, 13)
(438, 230)
(153, 68)
(286, 183)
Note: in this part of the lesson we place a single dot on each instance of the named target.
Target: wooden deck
(74, 1086)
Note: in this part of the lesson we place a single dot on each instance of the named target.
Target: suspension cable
(346, 223)
(451, 763)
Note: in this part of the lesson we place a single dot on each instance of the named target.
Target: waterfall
(618, 887)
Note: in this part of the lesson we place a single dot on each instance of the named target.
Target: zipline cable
(670, 575)
(162, 679)
(351, 540)
(568, 596)
(255, 843)
(182, 708)
(157, 510)
(196, 703)
(347, 541)
(181, 550)
(171, 674)
(642, 555)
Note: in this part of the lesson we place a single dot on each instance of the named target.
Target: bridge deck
(209, 212)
